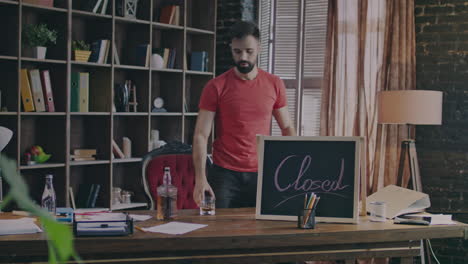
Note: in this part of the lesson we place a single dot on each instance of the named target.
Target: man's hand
(199, 191)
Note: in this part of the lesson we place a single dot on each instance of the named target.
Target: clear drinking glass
(378, 211)
(208, 205)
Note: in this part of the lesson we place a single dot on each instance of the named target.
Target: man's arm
(200, 142)
(284, 121)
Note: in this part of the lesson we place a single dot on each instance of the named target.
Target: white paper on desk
(102, 217)
(18, 226)
(434, 219)
(174, 228)
(140, 217)
(399, 200)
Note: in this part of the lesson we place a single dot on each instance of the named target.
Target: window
(293, 35)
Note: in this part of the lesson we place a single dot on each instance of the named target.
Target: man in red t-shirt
(242, 101)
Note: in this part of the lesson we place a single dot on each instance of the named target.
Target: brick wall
(442, 64)
(229, 12)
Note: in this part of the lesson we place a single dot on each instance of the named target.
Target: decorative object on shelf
(116, 195)
(49, 3)
(126, 8)
(133, 103)
(37, 155)
(127, 147)
(116, 151)
(156, 61)
(158, 104)
(5, 137)
(39, 37)
(82, 50)
(121, 97)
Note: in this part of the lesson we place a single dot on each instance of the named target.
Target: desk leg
(406, 260)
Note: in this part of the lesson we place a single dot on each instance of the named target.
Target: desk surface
(235, 232)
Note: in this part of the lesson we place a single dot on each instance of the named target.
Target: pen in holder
(306, 218)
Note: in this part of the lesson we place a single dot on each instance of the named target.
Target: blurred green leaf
(60, 236)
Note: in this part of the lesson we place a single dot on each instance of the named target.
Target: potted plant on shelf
(39, 37)
(82, 50)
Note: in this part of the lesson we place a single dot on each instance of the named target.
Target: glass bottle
(167, 198)
(48, 196)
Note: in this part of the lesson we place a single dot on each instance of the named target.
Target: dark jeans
(233, 189)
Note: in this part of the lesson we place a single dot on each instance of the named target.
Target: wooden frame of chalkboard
(290, 167)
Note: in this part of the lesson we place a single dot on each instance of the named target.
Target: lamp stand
(409, 155)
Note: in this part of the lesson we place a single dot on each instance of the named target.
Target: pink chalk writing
(306, 185)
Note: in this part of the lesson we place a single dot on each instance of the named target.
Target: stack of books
(83, 154)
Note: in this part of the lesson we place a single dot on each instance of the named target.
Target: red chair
(177, 156)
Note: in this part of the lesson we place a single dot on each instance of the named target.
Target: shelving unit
(62, 131)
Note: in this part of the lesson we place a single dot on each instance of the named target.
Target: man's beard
(244, 69)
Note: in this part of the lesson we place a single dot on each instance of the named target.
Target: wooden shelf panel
(91, 132)
(9, 86)
(91, 64)
(26, 59)
(199, 73)
(9, 2)
(197, 31)
(135, 128)
(43, 9)
(164, 26)
(42, 113)
(130, 67)
(127, 176)
(42, 166)
(90, 113)
(167, 114)
(88, 162)
(80, 13)
(131, 20)
(9, 58)
(127, 160)
(8, 113)
(170, 127)
(123, 206)
(167, 70)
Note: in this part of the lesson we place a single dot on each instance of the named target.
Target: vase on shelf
(39, 52)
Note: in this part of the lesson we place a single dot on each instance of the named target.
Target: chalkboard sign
(290, 167)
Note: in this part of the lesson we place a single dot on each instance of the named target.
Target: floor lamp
(410, 107)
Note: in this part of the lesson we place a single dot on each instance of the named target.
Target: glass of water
(208, 205)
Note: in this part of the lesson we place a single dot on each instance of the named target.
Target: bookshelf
(62, 131)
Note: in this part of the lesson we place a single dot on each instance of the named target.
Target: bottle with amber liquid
(167, 198)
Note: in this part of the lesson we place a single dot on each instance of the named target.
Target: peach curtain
(371, 47)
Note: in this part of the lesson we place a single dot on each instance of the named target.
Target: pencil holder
(306, 219)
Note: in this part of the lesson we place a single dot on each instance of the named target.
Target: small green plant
(80, 45)
(39, 35)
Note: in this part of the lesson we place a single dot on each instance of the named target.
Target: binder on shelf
(167, 14)
(84, 92)
(75, 92)
(36, 88)
(47, 90)
(26, 94)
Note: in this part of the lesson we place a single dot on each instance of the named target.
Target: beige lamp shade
(416, 107)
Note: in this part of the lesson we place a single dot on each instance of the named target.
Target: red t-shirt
(243, 110)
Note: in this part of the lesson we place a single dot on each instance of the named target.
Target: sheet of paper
(140, 217)
(174, 228)
(435, 219)
(18, 226)
(100, 217)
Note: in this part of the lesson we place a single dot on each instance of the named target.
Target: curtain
(371, 48)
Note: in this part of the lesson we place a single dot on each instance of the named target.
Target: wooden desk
(234, 236)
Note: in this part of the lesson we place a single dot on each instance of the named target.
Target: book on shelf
(116, 54)
(167, 14)
(97, 6)
(199, 61)
(87, 195)
(85, 152)
(47, 90)
(99, 51)
(117, 151)
(36, 88)
(143, 54)
(26, 94)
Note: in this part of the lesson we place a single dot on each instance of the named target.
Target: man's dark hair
(243, 29)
